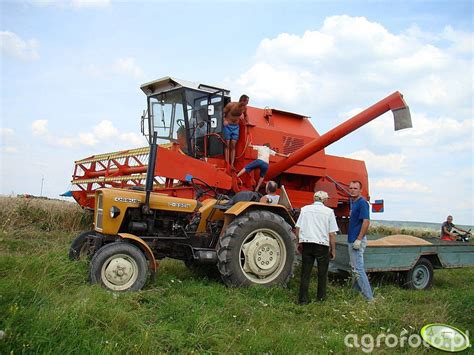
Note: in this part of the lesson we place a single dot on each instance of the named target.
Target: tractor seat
(242, 196)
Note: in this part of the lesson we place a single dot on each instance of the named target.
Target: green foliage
(389, 230)
(48, 306)
(44, 215)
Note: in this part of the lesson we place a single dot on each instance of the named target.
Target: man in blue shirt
(356, 240)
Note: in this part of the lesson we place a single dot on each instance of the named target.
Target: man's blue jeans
(360, 281)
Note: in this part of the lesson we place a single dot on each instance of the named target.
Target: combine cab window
(168, 114)
(204, 127)
(191, 118)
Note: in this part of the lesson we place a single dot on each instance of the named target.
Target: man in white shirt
(262, 161)
(316, 237)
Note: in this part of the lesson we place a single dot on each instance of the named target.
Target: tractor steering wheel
(180, 122)
(203, 191)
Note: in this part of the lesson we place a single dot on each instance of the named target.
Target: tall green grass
(48, 306)
(43, 215)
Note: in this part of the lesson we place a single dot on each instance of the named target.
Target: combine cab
(178, 197)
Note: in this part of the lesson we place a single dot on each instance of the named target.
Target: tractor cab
(186, 113)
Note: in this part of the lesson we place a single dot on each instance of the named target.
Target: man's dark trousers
(320, 253)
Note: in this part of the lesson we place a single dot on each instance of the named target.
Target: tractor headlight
(114, 212)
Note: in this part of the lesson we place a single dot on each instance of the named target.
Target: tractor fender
(242, 207)
(143, 247)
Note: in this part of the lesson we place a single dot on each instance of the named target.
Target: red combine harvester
(188, 120)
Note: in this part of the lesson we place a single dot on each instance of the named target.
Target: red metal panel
(175, 165)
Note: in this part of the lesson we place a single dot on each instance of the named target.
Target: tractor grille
(99, 212)
(291, 144)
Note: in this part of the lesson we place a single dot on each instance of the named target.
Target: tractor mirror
(402, 118)
(143, 118)
(210, 110)
(213, 122)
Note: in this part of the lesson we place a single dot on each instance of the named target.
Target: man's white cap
(321, 195)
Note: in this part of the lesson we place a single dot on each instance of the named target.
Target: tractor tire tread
(236, 231)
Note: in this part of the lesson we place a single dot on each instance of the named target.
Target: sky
(71, 72)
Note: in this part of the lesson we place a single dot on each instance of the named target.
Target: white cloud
(400, 185)
(416, 32)
(14, 46)
(122, 66)
(350, 60)
(6, 132)
(79, 4)
(133, 139)
(39, 127)
(295, 83)
(385, 163)
(105, 129)
(88, 139)
(462, 42)
(75, 4)
(442, 133)
(127, 66)
(8, 149)
(67, 142)
(101, 134)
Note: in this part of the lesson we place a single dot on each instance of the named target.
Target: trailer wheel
(420, 277)
(257, 248)
(80, 249)
(119, 266)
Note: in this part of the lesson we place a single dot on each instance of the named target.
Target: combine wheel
(421, 276)
(80, 248)
(256, 248)
(119, 266)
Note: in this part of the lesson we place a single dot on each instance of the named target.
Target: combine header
(179, 198)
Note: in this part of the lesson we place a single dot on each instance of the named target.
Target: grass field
(48, 306)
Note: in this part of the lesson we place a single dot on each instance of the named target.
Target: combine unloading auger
(394, 102)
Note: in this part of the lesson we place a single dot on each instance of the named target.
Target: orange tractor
(178, 198)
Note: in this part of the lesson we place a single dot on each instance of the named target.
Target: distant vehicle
(462, 236)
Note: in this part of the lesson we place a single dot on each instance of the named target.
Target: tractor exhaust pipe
(150, 174)
(394, 102)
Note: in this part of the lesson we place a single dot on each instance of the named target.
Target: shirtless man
(232, 114)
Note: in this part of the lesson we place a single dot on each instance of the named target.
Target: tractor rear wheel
(80, 248)
(119, 266)
(257, 248)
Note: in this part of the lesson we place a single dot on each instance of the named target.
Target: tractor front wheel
(257, 248)
(119, 266)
